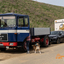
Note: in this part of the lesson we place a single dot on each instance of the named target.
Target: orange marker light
(15, 33)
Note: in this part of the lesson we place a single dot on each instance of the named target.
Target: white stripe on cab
(14, 31)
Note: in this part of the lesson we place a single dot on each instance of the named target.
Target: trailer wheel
(24, 48)
(2, 49)
(46, 41)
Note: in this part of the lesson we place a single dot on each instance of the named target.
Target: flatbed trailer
(14, 30)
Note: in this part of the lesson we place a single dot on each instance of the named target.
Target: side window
(26, 22)
(20, 22)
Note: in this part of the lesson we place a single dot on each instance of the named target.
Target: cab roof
(12, 14)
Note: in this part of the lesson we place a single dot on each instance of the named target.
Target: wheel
(58, 41)
(46, 41)
(24, 48)
(2, 49)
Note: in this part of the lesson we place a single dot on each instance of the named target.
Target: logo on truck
(61, 27)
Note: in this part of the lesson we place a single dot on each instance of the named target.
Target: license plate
(11, 43)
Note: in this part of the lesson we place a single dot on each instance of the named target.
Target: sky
(53, 2)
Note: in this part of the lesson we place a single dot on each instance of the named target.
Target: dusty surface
(10, 54)
(16, 53)
(48, 56)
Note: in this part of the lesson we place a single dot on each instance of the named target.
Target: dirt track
(15, 53)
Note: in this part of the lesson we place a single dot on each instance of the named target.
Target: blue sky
(53, 2)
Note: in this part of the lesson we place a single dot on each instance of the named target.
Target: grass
(40, 14)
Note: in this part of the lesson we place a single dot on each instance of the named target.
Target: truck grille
(3, 37)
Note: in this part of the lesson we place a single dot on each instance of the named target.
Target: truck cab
(14, 29)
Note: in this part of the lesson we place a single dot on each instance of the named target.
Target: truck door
(22, 28)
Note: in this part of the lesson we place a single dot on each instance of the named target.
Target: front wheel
(46, 41)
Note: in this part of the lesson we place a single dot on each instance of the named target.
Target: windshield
(7, 21)
(54, 33)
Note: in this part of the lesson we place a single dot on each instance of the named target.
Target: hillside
(41, 15)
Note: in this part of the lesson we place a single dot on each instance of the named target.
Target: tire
(3, 49)
(46, 41)
(24, 48)
(58, 41)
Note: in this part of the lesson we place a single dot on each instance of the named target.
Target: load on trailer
(59, 24)
(14, 30)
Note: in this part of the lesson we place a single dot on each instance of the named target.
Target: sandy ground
(10, 53)
(48, 56)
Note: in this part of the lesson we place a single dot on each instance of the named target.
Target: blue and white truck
(14, 30)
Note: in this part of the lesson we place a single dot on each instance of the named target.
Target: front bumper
(53, 40)
(4, 44)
